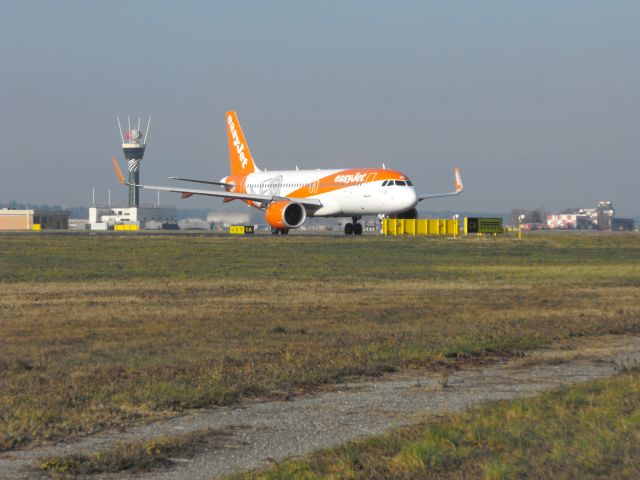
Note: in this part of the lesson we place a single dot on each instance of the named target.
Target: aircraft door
(367, 188)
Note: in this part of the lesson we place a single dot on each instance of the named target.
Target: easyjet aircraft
(288, 197)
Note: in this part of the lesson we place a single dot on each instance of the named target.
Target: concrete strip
(266, 432)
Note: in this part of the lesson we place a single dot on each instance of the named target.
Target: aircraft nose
(412, 197)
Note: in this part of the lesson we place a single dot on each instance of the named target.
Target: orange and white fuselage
(341, 193)
(288, 197)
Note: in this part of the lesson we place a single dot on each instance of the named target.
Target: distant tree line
(74, 212)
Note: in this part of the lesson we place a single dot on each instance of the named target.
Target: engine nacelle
(285, 214)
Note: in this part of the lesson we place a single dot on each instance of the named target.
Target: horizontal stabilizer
(221, 184)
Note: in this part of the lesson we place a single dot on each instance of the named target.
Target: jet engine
(285, 214)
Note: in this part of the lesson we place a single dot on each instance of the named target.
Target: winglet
(118, 172)
(459, 186)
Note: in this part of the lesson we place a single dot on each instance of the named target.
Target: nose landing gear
(354, 228)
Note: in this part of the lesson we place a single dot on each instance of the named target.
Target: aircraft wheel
(357, 229)
(284, 231)
(348, 229)
(275, 231)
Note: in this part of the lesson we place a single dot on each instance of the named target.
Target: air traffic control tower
(133, 145)
(134, 216)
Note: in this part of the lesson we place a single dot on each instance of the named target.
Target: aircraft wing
(187, 192)
(220, 184)
(458, 191)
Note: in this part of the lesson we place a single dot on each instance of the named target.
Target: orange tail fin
(239, 154)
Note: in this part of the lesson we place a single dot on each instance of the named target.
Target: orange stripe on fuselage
(329, 183)
(346, 178)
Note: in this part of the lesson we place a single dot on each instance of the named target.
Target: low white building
(103, 218)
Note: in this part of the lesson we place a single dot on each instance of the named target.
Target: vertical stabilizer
(239, 154)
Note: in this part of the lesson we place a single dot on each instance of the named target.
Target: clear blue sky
(537, 101)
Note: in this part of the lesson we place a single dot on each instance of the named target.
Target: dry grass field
(103, 331)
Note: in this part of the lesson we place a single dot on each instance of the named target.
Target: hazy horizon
(537, 102)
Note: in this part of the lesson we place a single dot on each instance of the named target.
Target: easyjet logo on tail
(239, 146)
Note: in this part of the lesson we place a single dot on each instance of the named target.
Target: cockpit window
(399, 183)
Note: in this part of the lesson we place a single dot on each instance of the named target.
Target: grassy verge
(586, 431)
(133, 456)
(105, 331)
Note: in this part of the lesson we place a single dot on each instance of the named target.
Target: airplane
(289, 197)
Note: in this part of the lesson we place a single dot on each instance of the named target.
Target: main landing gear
(354, 228)
(275, 231)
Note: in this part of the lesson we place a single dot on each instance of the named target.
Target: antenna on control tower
(133, 145)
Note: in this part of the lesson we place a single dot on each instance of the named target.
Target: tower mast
(133, 146)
